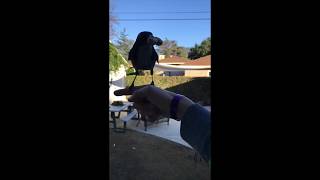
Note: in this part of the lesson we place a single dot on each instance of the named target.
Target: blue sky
(186, 33)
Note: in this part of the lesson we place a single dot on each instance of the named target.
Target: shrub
(115, 59)
(130, 71)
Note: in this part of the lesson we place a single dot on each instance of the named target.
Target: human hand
(153, 102)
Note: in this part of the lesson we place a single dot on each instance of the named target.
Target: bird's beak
(155, 40)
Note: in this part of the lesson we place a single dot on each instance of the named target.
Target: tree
(170, 47)
(112, 22)
(167, 47)
(182, 52)
(124, 44)
(115, 59)
(200, 50)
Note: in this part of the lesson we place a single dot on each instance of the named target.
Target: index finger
(127, 91)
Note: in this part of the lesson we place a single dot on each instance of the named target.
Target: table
(127, 107)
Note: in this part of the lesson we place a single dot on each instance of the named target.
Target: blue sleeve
(196, 129)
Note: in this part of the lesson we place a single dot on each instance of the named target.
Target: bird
(143, 55)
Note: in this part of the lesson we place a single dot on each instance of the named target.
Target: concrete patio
(162, 129)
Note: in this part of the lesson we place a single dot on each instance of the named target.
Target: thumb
(140, 95)
(127, 91)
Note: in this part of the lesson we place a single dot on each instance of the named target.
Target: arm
(196, 129)
(195, 120)
(195, 126)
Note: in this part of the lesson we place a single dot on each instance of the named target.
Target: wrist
(174, 106)
(183, 106)
(179, 105)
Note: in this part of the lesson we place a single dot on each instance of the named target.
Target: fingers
(140, 95)
(150, 101)
(122, 92)
(146, 108)
(156, 96)
(127, 91)
(149, 111)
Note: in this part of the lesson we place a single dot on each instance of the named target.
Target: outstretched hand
(127, 91)
(152, 102)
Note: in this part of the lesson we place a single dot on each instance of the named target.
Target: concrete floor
(170, 132)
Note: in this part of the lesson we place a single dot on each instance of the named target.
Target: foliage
(200, 50)
(130, 71)
(170, 47)
(182, 52)
(112, 21)
(115, 59)
(197, 89)
(124, 44)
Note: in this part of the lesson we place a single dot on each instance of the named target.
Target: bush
(115, 59)
(130, 71)
(197, 89)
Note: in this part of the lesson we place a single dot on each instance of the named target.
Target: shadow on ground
(135, 155)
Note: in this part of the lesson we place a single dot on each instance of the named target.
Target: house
(162, 57)
(200, 62)
(178, 66)
(172, 60)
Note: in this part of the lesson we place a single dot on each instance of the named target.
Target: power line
(185, 19)
(162, 12)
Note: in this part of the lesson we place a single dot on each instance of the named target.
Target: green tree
(124, 44)
(167, 47)
(115, 59)
(200, 50)
(182, 52)
(112, 21)
(170, 47)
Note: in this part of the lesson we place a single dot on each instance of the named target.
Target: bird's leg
(132, 84)
(152, 83)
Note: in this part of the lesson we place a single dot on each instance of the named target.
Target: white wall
(161, 56)
(118, 82)
(197, 73)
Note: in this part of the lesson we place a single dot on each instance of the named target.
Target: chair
(145, 122)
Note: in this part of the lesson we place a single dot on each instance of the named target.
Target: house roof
(174, 60)
(203, 61)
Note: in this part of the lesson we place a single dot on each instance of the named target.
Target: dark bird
(143, 55)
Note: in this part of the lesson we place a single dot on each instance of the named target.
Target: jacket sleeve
(196, 129)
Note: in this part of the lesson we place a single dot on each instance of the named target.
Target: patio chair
(157, 121)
